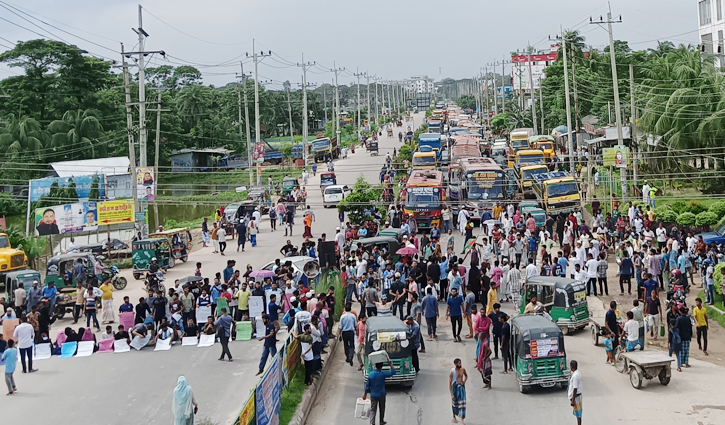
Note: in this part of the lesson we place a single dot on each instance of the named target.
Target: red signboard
(550, 57)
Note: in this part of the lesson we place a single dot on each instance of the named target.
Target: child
(609, 347)
(197, 272)
(10, 357)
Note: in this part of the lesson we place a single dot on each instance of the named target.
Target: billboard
(258, 153)
(40, 187)
(145, 184)
(68, 218)
(116, 212)
(268, 394)
(618, 156)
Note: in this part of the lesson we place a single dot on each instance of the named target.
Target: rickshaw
(373, 148)
(390, 132)
(327, 179)
(260, 196)
(289, 184)
(146, 249)
(539, 358)
(564, 299)
(391, 335)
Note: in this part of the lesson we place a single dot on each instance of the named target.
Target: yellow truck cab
(519, 139)
(545, 144)
(526, 157)
(10, 258)
(557, 192)
(525, 175)
(425, 160)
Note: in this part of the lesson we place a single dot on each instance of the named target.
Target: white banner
(206, 340)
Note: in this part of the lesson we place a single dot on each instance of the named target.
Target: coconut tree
(22, 135)
(77, 135)
(194, 102)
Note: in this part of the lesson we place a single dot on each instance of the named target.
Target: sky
(390, 39)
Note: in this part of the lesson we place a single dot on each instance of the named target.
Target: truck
(526, 156)
(11, 258)
(519, 139)
(434, 125)
(544, 143)
(525, 177)
(557, 192)
(324, 148)
(233, 162)
(423, 197)
(432, 141)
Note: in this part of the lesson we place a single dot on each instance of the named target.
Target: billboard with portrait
(145, 184)
(69, 218)
(617, 156)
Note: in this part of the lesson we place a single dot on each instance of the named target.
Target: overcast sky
(393, 39)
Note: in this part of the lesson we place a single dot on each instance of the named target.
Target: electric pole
(570, 142)
(305, 113)
(615, 81)
(369, 114)
(244, 77)
(337, 103)
(129, 127)
(633, 126)
(358, 75)
(158, 111)
(493, 80)
(541, 102)
(503, 85)
(531, 87)
(257, 131)
(289, 112)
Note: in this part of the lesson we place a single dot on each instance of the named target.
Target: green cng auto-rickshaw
(537, 346)
(564, 299)
(59, 269)
(146, 249)
(10, 281)
(391, 335)
(179, 241)
(289, 184)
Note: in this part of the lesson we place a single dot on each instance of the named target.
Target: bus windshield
(485, 188)
(530, 159)
(427, 198)
(424, 160)
(562, 189)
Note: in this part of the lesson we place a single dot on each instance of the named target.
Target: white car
(334, 194)
(300, 264)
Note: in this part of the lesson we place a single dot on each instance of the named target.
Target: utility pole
(382, 94)
(257, 131)
(493, 80)
(488, 105)
(358, 75)
(141, 91)
(289, 112)
(531, 87)
(305, 113)
(503, 85)
(324, 101)
(541, 102)
(129, 127)
(377, 101)
(246, 122)
(337, 103)
(633, 127)
(570, 143)
(615, 81)
(369, 114)
(158, 111)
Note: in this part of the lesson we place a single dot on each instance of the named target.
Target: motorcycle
(154, 282)
(119, 282)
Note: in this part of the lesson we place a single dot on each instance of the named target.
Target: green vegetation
(33, 247)
(124, 264)
(364, 196)
(292, 396)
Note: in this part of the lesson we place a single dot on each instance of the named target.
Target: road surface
(137, 386)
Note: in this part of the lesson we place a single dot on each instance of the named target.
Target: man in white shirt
(574, 390)
(579, 274)
(661, 233)
(591, 267)
(340, 239)
(486, 251)
(25, 334)
(531, 270)
(257, 215)
(631, 327)
(645, 193)
(691, 242)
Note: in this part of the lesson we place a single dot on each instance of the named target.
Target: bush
(679, 206)
(661, 210)
(695, 207)
(706, 218)
(720, 223)
(718, 208)
(668, 215)
(686, 219)
(717, 277)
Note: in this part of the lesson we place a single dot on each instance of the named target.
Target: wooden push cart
(646, 364)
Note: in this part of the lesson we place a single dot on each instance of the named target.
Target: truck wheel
(595, 336)
(523, 389)
(565, 330)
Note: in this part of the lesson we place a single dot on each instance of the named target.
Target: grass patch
(125, 264)
(711, 312)
(221, 196)
(292, 396)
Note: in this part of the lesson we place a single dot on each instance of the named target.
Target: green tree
(20, 136)
(77, 135)
(466, 102)
(363, 197)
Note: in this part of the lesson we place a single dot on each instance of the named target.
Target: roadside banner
(268, 395)
(617, 156)
(246, 416)
(145, 184)
(69, 218)
(116, 212)
(83, 185)
(258, 154)
(290, 359)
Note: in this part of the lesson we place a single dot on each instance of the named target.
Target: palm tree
(22, 135)
(194, 101)
(76, 134)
